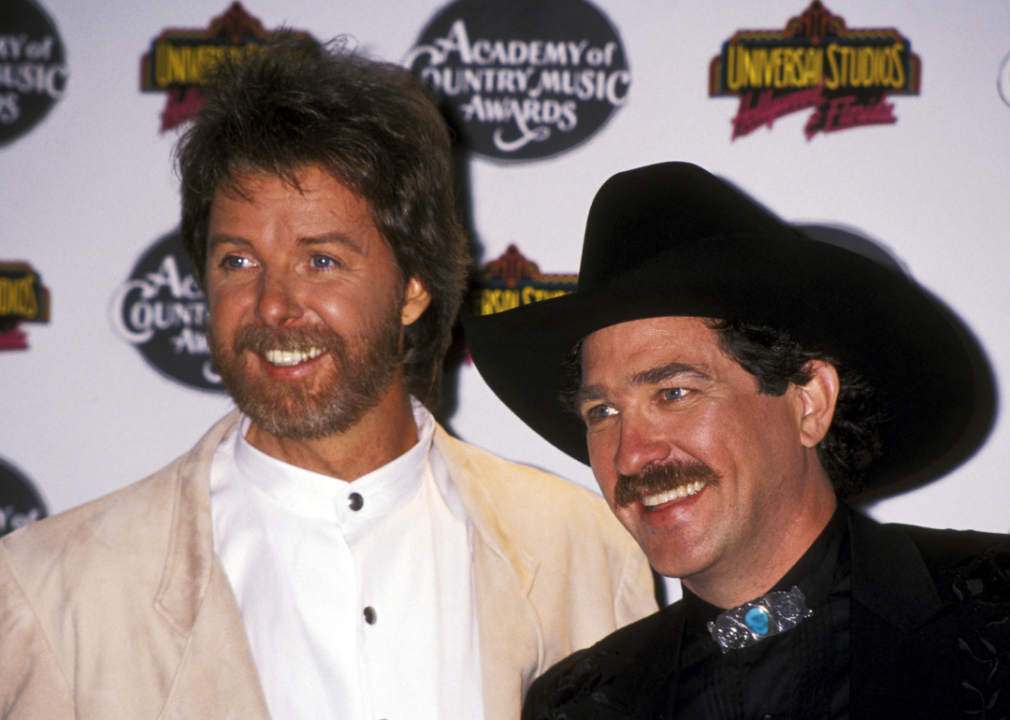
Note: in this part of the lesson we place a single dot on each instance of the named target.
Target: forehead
(305, 185)
(309, 206)
(631, 346)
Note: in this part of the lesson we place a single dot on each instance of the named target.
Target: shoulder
(609, 678)
(63, 578)
(109, 526)
(111, 539)
(523, 494)
(951, 557)
(969, 567)
(945, 548)
(937, 630)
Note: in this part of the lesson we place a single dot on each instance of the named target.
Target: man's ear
(818, 397)
(415, 301)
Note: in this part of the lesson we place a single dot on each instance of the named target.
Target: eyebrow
(650, 376)
(326, 239)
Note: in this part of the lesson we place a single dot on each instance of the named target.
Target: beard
(320, 407)
(655, 479)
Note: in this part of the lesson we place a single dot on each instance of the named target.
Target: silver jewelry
(756, 620)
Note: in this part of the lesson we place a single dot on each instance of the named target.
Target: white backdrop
(85, 193)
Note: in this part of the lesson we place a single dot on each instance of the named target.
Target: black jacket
(930, 637)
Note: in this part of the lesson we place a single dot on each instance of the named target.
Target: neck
(383, 434)
(780, 549)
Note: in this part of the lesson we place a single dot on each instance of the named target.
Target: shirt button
(370, 615)
(356, 501)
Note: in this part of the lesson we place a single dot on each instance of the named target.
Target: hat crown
(642, 213)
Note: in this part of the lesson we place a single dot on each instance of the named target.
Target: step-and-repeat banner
(882, 119)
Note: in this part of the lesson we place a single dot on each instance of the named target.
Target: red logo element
(179, 60)
(513, 280)
(816, 62)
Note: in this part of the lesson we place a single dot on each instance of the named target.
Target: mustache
(657, 478)
(260, 339)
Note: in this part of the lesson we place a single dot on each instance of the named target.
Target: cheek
(225, 311)
(604, 472)
(230, 298)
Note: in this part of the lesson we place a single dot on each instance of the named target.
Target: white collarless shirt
(357, 598)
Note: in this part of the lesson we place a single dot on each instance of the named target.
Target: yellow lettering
(777, 67)
(814, 66)
(190, 64)
(734, 68)
(832, 82)
(17, 297)
(532, 294)
(495, 301)
(898, 67)
(161, 65)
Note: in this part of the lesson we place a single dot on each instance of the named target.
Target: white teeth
(285, 358)
(681, 492)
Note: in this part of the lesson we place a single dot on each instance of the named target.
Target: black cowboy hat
(674, 240)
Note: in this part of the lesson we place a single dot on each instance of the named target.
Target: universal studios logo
(163, 312)
(522, 80)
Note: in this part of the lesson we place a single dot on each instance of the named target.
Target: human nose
(278, 300)
(640, 442)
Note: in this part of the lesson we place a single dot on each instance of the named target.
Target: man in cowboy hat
(729, 379)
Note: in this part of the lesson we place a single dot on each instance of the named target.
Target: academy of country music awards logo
(33, 70)
(846, 76)
(163, 312)
(523, 81)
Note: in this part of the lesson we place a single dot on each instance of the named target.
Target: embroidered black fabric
(983, 583)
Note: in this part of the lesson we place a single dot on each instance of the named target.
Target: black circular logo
(33, 70)
(523, 80)
(20, 502)
(162, 311)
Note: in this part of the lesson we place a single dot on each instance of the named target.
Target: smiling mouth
(679, 493)
(287, 358)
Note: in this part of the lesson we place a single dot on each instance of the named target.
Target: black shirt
(801, 673)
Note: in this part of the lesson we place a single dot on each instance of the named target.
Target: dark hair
(852, 442)
(371, 125)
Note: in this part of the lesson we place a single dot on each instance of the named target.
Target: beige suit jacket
(120, 609)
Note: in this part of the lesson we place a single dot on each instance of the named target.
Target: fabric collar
(314, 495)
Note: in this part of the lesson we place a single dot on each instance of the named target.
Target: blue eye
(323, 262)
(599, 412)
(674, 393)
(235, 262)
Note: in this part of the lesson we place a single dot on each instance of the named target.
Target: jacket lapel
(889, 576)
(511, 635)
(216, 676)
(903, 648)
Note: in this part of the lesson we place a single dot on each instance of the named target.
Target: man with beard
(326, 550)
(729, 378)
